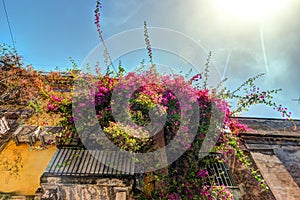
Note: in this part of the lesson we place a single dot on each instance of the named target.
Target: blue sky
(47, 33)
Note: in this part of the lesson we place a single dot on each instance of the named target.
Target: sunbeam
(251, 9)
(226, 64)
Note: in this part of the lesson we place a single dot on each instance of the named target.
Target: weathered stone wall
(249, 187)
(290, 157)
(275, 148)
(276, 175)
(58, 188)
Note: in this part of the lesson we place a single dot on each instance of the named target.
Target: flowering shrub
(19, 83)
(187, 184)
(130, 107)
(22, 89)
(196, 183)
(185, 178)
(137, 141)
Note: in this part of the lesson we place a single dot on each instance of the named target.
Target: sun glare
(251, 9)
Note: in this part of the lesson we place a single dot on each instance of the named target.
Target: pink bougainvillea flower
(196, 77)
(202, 173)
(173, 196)
(50, 107)
(55, 98)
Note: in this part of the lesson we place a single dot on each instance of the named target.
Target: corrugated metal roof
(72, 162)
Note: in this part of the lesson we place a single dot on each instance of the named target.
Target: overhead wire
(8, 23)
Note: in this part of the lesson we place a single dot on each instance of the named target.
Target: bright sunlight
(251, 9)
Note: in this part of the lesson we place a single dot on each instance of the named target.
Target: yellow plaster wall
(22, 166)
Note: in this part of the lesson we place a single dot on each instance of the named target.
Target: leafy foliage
(185, 177)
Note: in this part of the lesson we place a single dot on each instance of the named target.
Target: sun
(251, 9)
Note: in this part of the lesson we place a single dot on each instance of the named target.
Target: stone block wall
(85, 188)
(276, 175)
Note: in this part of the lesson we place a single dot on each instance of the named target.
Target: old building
(274, 147)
